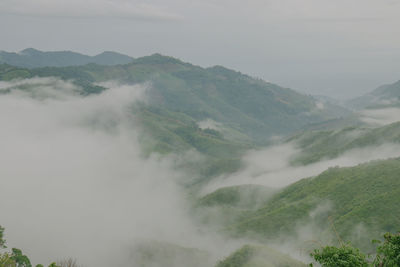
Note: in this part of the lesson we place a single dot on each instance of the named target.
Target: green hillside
(316, 145)
(385, 95)
(165, 132)
(364, 196)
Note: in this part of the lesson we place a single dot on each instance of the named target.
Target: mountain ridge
(33, 58)
(237, 101)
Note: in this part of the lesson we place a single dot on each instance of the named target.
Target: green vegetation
(16, 258)
(2, 241)
(388, 252)
(387, 255)
(167, 131)
(363, 196)
(343, 256)
(247, 112)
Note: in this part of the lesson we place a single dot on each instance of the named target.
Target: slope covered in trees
(360, 197)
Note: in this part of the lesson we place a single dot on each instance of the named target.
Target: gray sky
(330, 47)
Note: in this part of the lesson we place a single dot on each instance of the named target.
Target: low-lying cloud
(381, 116)
(271, 167)
(73, 181)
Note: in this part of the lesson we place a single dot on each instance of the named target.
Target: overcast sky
(329, 47)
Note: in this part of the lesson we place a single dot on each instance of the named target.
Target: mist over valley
(257, 140)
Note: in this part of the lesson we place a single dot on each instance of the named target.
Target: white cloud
(271, 167)
(380, 116)
(209, 123)
(73, 181)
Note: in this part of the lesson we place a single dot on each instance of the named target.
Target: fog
(74, 183)
(381, 116)
(271, 166)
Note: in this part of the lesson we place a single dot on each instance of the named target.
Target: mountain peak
(30, 51)
(158, 58)
(33, 58)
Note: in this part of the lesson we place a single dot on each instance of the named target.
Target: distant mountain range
(245, 108)
(32, 58)
(383, 96)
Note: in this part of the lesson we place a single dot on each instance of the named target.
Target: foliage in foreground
(343, 256)
(387, 254)
(16, 258)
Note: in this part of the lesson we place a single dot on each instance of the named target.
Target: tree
(16, 258)
(2, 241)
(388, 253)
(20, 259)
(6, 261)
(343, 256)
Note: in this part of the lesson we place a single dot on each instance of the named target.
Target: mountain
(245, 108)
(361, 201)
(383, 96)
(32, 58)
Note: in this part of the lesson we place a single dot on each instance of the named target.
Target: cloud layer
(380, 116)
(271, 166)
(73, 181)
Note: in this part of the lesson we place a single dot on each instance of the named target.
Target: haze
(337, 48)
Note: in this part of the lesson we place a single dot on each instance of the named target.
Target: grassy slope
(316, 145)
(367, 194)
